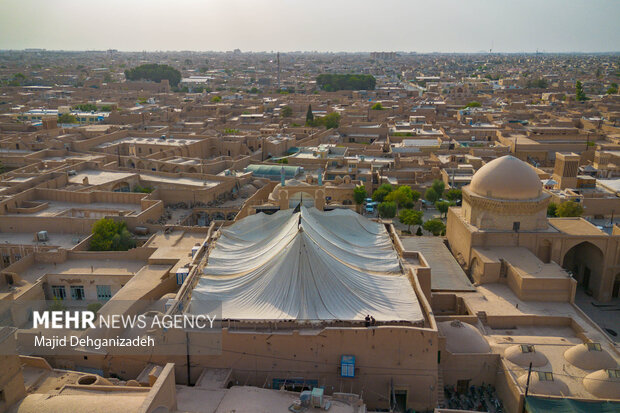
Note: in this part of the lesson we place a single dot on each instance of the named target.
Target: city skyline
(273, 25)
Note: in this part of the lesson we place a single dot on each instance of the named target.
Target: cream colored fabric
(309, 265)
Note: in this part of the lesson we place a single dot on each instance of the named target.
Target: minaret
(278, 58)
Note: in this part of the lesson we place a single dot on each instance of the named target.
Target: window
(527, 348)
(516, 226)
(613, 373)
(104, 292)
(6, 260)
(347, 366)
(545, 376)
(77, 292)
(17, 257)
(59, 292)
(594, 346)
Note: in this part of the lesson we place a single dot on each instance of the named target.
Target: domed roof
(589, 356)
(506, 178)
(523, 355)
(603, 384)
(544, 383)
(463, 338)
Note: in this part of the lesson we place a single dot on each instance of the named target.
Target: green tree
(381, 192)
(331, 120)
(57, 305)
(216, 99)
(110, 235)
(359, 194)
(569, 209)
(377, 106)
(454, 194)
(613, 89)
(410, 217)
(434, 226)
(309, 115)
(154, 72)
(439, 186)
(94, 307)
(67, 118)
(580, 95)
(286, 112)
(415, 195)
(552, 209)
(431, 195)
(473, 104)
(403, 196)
(335, 82)
(443, 206)
(537, 83)
(143, 189)
(387, 209)
(86, 107)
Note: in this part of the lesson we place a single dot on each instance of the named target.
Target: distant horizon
(441, 26)
(481, 52)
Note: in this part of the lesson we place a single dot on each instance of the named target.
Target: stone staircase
(440, 395)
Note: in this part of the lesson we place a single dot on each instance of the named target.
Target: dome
(463, 338)
(604, 384)
(544, 383)
(589, 356)
(506, 178)
(523, 355)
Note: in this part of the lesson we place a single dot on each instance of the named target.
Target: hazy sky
(323, 25)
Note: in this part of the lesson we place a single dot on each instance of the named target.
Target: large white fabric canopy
(307, 265)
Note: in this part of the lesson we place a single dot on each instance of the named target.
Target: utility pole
(188, 360)
(527, 385)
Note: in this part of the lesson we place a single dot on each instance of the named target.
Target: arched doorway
(585, 261)
(615, 292)
(305, 198)
(121, 187)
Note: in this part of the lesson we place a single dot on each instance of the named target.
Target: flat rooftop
(66, 241)
(96, 177)
(148, 141)
(89, 266)
(245, 399)
(446, 273)
(575, 226)
(79, 210)
(527, 264)
(176, 245)
(203, 183)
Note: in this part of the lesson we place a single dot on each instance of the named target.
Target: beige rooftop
(589, 356)
(602, 384)
(463, 338)
(506, 178)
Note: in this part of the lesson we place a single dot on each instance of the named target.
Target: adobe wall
(479, 368)
(163, 392)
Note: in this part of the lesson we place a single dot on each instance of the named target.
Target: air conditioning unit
(317, 397)
(42, 236)
(182, 274)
